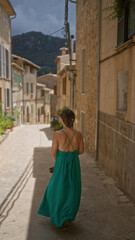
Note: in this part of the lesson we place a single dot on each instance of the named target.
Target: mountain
(39, 48)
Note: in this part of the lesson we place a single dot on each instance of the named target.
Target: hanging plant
(115, 10)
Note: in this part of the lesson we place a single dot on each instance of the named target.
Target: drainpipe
(71, 74)
(98, 77)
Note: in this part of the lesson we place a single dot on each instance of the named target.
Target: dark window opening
(126, 23)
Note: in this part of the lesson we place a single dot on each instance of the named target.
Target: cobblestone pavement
(105, 212)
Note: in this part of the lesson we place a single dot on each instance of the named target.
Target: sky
(46, 16)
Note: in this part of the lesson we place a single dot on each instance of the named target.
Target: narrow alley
(105, 212)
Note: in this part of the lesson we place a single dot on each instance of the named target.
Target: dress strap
(70, 140)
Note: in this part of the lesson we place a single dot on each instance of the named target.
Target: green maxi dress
(62, 196)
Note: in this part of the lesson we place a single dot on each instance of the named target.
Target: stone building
(105, 84)
(64, 98)
(6, 11)
(30, 114)
(48, 93)
(17, 92)
(116, 137)
(40, 102)
(86, 69)
(50, 81)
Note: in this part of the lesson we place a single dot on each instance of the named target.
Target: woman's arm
(54, 146)
(81, 145)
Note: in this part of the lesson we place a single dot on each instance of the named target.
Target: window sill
(124, 45)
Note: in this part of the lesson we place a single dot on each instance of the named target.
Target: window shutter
(9, 98)
(32, 109)
(9, 65)
(1, 61)
(27, 87)
(5, 98)
(4, 62)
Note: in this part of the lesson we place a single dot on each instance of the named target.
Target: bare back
(67, 140)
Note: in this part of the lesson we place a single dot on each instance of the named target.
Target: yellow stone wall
(86, 37)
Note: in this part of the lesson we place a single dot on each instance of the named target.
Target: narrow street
(105, 212)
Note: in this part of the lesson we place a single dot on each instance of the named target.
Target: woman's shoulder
(59, 132)
(78, 132)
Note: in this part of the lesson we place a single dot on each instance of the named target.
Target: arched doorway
(38, 114)
(28, 115)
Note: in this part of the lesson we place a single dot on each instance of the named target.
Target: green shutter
(31, 87)
(42, 110)
(27, 86)
(32, 109)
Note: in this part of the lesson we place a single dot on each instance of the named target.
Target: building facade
(40, 102)
(105, 96)
(29, 86)
(65, 92)
(50, 81)
(116, 137)
(17, 92)
(6, 10)
(86, 70)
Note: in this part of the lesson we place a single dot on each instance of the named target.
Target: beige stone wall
(113, 59)
(5, 31)
(116, 135)
(5, 41)
(86, 37)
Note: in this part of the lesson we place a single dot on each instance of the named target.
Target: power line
(57, 31)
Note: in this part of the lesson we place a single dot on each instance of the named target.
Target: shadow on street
(48, 132)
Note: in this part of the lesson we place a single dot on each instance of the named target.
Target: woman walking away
(62, 197)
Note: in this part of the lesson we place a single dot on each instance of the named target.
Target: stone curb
(5, 135)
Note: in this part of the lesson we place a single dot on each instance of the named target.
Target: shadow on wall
(48, 132)
(40, 227)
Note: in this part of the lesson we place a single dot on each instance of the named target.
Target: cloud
(43, 16)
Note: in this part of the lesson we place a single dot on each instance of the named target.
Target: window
(0, 99)
(83, 70)
(64, 86)
(42, 92)
(32, 70)
(27, 87)
(83, 124)
(122, 91)
(26, 68)
(31, 108)
(1, 61)
(31, 87)
(126, 23)
(5, 63)
(42, 110)
(131, 18)
(55, 90)
(7, 98)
